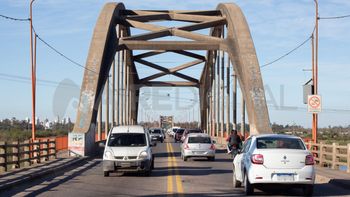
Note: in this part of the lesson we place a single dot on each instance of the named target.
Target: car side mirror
(214, 142)
(102, 144)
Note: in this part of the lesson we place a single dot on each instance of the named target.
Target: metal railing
(331, 155)
(22, 154)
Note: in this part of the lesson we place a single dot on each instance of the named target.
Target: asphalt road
(171, 177)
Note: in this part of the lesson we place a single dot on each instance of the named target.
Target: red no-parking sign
(314, 103)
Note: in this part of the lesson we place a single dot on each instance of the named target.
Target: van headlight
(108, 155)
(143, 155)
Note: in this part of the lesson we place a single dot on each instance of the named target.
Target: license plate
(198, 152)
(125, 164)
(285, 177)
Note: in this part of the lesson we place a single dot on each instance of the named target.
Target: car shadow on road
(166, 154)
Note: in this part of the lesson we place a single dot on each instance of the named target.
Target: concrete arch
(240, 47)
(100, 57)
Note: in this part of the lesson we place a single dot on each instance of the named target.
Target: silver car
(198, 145)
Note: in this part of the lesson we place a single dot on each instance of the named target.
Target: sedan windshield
(279, 143)
(197, 140)
(127, 139)
(156, 131)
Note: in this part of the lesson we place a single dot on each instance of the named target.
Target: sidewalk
(335, 177)
(22, 175)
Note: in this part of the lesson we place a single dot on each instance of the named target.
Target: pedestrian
(234, 143)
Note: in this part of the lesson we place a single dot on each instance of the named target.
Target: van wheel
(105, 173)
(236, 183)
(148, 172)
(152, 164)
(248, 188)
(308, 190)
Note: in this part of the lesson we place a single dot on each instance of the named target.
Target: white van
(128, 149)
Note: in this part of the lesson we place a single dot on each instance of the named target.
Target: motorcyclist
(234, 143)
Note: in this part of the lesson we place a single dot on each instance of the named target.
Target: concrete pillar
(113, 94)
(107, 108)
(228, 95)
(124, 105)
(243, 118)
(117, 109)
(222, 94)
(99, 121)
(234, 99)
(217, 93)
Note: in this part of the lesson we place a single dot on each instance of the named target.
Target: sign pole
(315, 74)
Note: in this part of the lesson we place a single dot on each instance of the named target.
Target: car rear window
(194, 131)
(196, 140)
(279, 143)
(127, 139)
(181, 131)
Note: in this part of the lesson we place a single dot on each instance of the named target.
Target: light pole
(315, 73)
(33, 68)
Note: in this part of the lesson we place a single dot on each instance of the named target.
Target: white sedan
(274, 159)
(198, 145)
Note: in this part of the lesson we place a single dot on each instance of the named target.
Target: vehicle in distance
(274, 159)
(173, 131)
(198, 145)
(178, 134)
(156, 134)
(128, 149)
(187, 131)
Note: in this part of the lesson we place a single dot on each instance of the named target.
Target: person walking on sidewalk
(234, 143)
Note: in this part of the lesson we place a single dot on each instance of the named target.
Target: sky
(276, 27)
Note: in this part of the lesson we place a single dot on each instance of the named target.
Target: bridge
(217, 39)
(115, 50)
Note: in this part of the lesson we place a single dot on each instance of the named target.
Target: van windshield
(127, 139)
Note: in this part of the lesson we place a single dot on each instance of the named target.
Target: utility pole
(33, 65)
(315, 73)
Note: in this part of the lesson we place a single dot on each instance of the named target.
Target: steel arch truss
(229, 33)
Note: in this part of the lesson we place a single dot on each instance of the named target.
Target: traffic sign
(314, 104)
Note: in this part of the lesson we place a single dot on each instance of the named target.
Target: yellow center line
(170, 177)
(179, 187)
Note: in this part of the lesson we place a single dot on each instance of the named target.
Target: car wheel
(184, 158)
(308, 190)
(248, 188)
(211, 158)
(236, 183)
(105, 173)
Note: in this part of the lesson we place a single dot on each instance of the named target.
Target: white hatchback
(274, 159)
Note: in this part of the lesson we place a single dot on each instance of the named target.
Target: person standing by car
(234, 143)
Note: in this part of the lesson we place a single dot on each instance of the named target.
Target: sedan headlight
(143, 155)
(108, 155)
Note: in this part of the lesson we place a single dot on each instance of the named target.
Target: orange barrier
(62, 141)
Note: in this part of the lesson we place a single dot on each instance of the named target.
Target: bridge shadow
(49, 182)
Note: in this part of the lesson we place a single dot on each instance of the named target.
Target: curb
(35, 175)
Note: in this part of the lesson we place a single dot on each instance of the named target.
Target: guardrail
(22, 154)
(331, 155)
